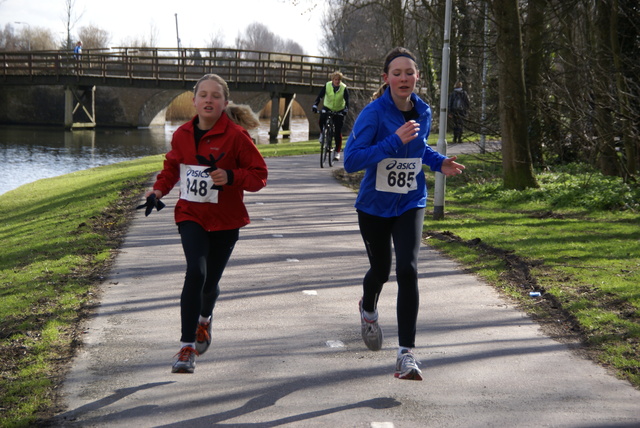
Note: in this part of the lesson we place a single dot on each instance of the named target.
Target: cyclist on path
(335, 96)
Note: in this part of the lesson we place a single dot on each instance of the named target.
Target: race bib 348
(196, 185)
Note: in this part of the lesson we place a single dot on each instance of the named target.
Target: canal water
(28, 154)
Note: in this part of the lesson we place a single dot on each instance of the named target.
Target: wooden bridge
(281, 75)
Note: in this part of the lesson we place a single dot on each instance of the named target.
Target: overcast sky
(298, 20)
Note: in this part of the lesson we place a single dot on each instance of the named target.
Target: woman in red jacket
(215, 160)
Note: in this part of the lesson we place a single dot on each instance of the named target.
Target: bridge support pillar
(79, 107)
(274, 123)
(286, 120)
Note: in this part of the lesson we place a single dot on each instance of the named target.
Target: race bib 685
(398, 175)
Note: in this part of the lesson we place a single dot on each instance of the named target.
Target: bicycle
(327, 137)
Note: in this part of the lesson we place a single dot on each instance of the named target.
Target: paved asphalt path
(286, 345)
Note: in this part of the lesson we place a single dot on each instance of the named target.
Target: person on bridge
(215, 160)
(335, 96)
(389, 141)
(77, 51)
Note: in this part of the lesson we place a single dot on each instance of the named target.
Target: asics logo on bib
(197, 173)
(401, 165)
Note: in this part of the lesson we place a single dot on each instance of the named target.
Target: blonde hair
(337, 73)
(241, 114)
(215, 78)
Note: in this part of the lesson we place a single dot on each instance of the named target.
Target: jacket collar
(420, 105)
(218, 128)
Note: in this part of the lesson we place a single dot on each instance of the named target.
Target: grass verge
(59, 237)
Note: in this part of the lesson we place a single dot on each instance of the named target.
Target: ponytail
(242, 115)
(377, 94)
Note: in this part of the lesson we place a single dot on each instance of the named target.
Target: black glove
(315, 109)
(211, 162)
(152, 202)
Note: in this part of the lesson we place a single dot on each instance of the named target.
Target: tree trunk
(534, 61)
(608, 161)
(516, 156)
(624, 107)
(396, 12)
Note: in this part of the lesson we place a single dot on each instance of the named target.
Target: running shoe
(371, 331)
(407, 367)
(186, 362)
(336, 157)
(203, 337)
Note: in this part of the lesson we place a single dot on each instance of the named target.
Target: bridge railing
(235, 66)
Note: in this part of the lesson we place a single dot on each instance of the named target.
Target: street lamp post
(177, 34)
(440, 182)
(29, 35)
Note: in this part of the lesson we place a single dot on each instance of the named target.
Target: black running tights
(405, 231)
(207, 254)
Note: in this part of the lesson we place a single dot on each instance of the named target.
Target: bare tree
(258, 37)
(9, 40)
(94, 37)
(349, 32)
(70, 19)
(216, 40)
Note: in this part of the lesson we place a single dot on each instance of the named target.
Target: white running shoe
(371, 332)
(407, 367)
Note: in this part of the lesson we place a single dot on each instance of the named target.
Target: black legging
(207, 254)
(406, 232)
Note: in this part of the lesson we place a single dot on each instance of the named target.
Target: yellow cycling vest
(334, 100)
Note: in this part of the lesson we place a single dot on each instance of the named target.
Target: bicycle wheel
(323, 148)
(329, 145)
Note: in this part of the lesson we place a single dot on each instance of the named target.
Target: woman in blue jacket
(389, 142)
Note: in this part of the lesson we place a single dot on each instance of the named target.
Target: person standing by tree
(335, 96)
(389, 141)
(458, 107)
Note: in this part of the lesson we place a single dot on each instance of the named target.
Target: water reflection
(28, 154)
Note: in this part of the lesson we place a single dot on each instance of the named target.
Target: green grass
(58, 236)
(577, 237)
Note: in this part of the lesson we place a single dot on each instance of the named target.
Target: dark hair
(393, 54)
(396, 53)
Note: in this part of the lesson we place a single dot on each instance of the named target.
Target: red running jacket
(240, 156)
